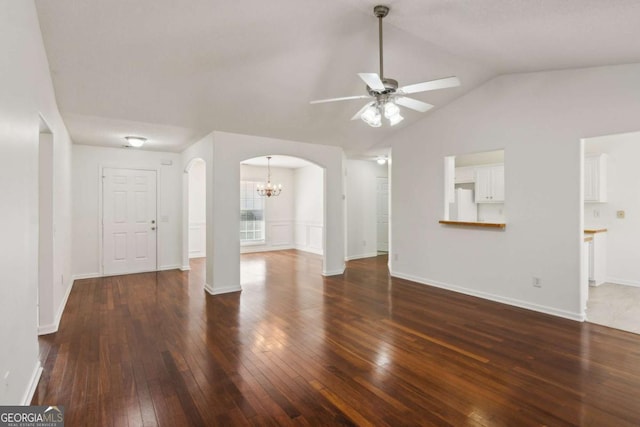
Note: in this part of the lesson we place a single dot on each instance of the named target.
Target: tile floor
(616, 306)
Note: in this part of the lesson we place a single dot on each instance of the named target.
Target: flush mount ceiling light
(381, 160)
(135, 141)
(268, 189)
(386, 94)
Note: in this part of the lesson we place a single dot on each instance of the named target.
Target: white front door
(129, 221)
(383, 213)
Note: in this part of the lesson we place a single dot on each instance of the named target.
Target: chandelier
(268, 189)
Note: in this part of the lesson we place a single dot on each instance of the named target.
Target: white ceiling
(174, 71)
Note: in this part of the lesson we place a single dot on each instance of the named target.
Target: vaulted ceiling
(175, 70)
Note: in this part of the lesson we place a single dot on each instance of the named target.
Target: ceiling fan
(385, 93)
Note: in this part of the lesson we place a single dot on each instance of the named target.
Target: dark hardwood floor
(294, 348)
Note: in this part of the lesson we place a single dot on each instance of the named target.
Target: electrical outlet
(536, 282)
(596, 213)
(364, 243)
(395, 257)
(620, 214)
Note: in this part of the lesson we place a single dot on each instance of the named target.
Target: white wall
(623, 181)
(278, 210)
(88, 162)
(539, 119)
(26, 90)
(198, 210)
(362, 234)
(309, 209)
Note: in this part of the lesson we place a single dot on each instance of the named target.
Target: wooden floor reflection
(295, 348)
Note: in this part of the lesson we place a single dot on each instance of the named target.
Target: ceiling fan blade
(372, 80)
(413, 104)
(431, 85)
(360, 111)
(344, 98)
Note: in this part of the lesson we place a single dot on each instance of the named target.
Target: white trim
(185, 268)
(52, 328)
(86, 276)
(333, 272)
(580, 317)
(33, 384)
(309, 249)
(217, 291)
(251, 250)
(635, 283)
(369, 255)
(169, 267)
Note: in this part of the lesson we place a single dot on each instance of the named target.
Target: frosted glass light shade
(135, 141)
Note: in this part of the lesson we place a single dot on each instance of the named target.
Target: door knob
(153, 228)
(153, 221)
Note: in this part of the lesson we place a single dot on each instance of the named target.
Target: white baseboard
(369, 255)
(33, 384)
(333, 272)
(170, 267)
(249, 249)
(185, 268)
(625, 282)
(580, 317)
(198, 254)
(86, 276)
(53, 328)
(217, 291)
(309, 249)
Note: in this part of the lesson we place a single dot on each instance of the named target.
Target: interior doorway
(382, 214)
(611, 220)
(197, 209)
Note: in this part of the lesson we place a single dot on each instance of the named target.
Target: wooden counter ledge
(595, 230)
(475, 224)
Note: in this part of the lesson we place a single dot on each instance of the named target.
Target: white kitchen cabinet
(465, 174)
(595, 178)
(489, 184)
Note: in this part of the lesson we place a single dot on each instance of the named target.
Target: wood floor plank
(297, 348)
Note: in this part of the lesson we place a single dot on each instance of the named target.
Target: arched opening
(291, 220)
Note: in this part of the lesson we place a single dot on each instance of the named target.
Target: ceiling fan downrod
(380, 12)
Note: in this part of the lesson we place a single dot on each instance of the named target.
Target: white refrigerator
(464, 208)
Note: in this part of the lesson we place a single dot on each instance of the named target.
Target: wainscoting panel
(280, 233)
(308, 237)
(197, 239)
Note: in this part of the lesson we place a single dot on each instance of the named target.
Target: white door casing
(382, 213)
(129, 221)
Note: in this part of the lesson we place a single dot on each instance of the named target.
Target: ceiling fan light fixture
(385, 94)
(372, 116)
(394, 120)
(391, 110)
